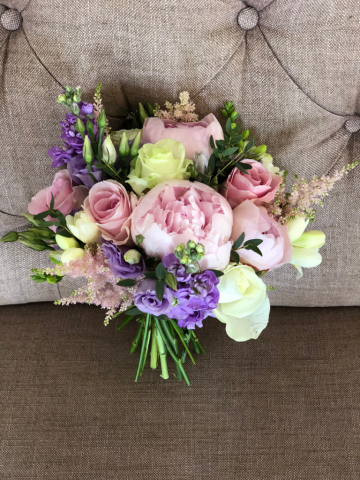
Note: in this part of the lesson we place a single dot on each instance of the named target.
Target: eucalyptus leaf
(239, 242)
(160, 289)
(235, 256)
(126, 283)
(160, 271)
(217, 273)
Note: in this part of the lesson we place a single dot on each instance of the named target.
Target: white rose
(243, 304)
(83, 227)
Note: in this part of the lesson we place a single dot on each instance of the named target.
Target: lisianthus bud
(88, 153)
(101, 120)
(10, 237)
(135, 145)
(72, 254)
(108, 151)
(132, 257)
(79, 126)
(66, 242)
(124, 148)
(143, 113)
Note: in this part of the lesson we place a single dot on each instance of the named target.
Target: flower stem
(144, 345)
(196, 340)
(162, 354)
(177, 360)
(136, 340)
(174, 343)
(154, 347)
(179, 331)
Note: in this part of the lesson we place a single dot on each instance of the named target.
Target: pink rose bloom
(259, 186)
(177, 211)
(255, 222)
(195, 136)
(65, 195)
(111, 207)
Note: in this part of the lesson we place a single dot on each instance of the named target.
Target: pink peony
(111, 206)
(195, 136)
(65, 195)
(176, 211)
(258, 186)
(255, 222)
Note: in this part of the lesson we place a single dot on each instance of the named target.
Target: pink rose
(176, 211)
(195, 136)
(111, 206)
(255, 222)
(65, 195)
(258, 186)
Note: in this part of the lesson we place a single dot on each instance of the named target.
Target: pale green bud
(88, 153)
(200, 248)
(132, 256)
(108, 151)
(124, 148)
(72, 254)
(185, 260)
(143, 113)
(61, 98)
(101, 120)
(191, 244)
(66, 242)
(311, 239)
(135, 145)
(79, 126)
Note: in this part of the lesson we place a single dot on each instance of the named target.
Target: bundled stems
(162, 353)
(154, 346)
(136, 340)
(144, 346)
(174, 343)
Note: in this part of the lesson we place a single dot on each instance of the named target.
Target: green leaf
(41, 215)
(160, 289)
(162, 317)
(10, 237)
(242, 168)
(239, 242)
(170, 281)
(60, 217)
(139, 239)
(64, 233)
(249, 145)
(55, 262)
(37, 245)
(228, 126)
(133, 311)
(217, 273)
(254, 242)
(125, 322)
(211, 164)
(254, 249)
(223, 143)
(230, 151)
(52, 203)
(245, 134)
(126, 283)
(151, 275)
(160, 271)
(212, 144)
(235, 256)
(37, 279)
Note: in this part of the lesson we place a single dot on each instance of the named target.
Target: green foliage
(126, 283)
(217, 273)
(39, 276)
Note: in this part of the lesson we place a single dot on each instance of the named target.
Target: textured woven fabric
(283, 407)
(294, 78)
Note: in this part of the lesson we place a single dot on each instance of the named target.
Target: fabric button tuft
(11, 20)
(2, 9)
(248, 18)
(353, 124)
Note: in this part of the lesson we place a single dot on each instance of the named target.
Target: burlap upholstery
(294, 78)
(283, 407)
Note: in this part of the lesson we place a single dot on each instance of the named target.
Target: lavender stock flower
(173, 265)
(118, 266)
(145, 299)
(80, 174)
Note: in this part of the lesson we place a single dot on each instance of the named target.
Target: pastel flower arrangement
(170, 222)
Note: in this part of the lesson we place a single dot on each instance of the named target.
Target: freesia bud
(72, 254)
(88, 153)
(108, 151)
(296, 227)
(135, 145)
(132, 256)
(66, 242)
(124, 148)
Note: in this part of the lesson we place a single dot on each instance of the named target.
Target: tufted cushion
(290, 67)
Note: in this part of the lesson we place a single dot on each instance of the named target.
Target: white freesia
(243, 304)
(305, 245)
(267, 161)
(201, 162)
(83, 227)
(72, 254)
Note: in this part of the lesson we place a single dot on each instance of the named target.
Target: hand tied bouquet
(170, 222)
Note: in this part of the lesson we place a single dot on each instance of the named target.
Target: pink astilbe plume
(305, 194)
(100, 289)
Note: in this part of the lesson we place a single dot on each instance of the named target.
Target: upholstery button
(248, 18)
(353, 124)
(11, 19)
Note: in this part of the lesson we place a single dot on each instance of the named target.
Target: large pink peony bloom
(258, 186)
(255, 222)
(111, 206)
(65, 195)
(176, 211)
(195, 136)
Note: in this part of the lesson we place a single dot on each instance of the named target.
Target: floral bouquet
(170, 222)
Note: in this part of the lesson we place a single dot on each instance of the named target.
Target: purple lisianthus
(119, 267)
(145, 299)
(173, 265)
(80, 174)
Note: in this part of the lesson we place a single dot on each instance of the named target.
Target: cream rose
(83, 227)
(157, 163)
(243, 304)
